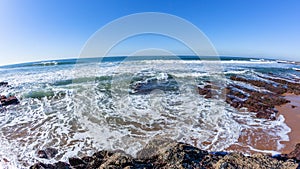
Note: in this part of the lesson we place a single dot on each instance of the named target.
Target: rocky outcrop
(261, 99)
(295, 154)
(5, 101)
(165, 154)
(238, 160)
(48, 153)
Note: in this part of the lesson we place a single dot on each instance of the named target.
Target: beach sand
(291, 113)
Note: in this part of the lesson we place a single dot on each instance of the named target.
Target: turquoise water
(82, 105)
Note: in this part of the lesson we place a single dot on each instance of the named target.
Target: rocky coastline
(166, 153)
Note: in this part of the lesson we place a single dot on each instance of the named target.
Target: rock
(8, 101)
(4, 84)
(295, 154)
(170, 154)
(42, 154)
(61, 165)
(142, 84)
(167, 153)
(117, 160)
(237, 160)
(263, 115)
(77, 163)
(58, 165)
(258, 101)
(48, 153)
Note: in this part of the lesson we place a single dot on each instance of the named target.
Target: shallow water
(80, 107)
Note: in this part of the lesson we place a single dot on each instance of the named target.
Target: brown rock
(8, 101)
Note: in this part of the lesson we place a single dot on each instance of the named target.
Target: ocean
(79, 106)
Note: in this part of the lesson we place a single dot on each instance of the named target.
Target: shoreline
(291, 113)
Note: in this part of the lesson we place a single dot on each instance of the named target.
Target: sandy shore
(291, 113)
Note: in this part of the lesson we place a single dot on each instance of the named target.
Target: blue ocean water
(82, 105)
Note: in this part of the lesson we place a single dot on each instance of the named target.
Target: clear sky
(32, 30)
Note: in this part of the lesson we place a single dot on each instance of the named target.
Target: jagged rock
(261, 102)
(170, 154)
(58, 165)
(117, 160)
(77, 163)
(237, 160)
(3, 83)
(8, 101)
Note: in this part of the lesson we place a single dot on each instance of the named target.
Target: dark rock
(146, 84)
(295, 154)
(4, 84)
(8, 101)
(262, 115)
(51, 152)
(219, 153)
(42, 154)
(61, 165)
(42, 166)
(48, 153)
(77, 163)
(237, 160)
(281, 157)
(58, 165)
(261, 102)
(170, 154)
(166, 153)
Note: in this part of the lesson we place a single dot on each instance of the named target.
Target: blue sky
(32, 30)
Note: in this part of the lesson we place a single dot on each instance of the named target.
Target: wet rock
(237, 160)
(42, 154)
(4, 84)
(117, 160)
(58, 165)
(261, 101)
(77, 163)
(295, 154)
(171, 154)
(48, 153)
(166, 153)
(8, 101)
(281, 157)
(145, 84)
